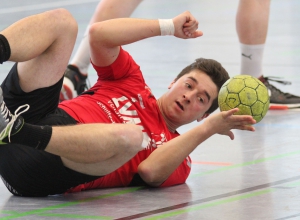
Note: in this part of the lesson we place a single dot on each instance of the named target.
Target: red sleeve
(180, 175)
(122, 67)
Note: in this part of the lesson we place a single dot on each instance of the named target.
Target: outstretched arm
(165, 159)
(106, 37)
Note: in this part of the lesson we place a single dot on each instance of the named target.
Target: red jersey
(122, 96)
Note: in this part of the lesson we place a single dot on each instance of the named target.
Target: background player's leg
(106, 9)
(252, 27)
(77, 72)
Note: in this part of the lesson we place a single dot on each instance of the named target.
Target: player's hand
(223, 122)
(186, 26)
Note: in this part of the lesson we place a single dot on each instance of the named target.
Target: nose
(186, 98)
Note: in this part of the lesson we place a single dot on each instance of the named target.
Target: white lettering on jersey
(124, 110)
(141, 101)
(129, 116)
(116, 100)
(108, 113)
(133, 99)
(158, 139)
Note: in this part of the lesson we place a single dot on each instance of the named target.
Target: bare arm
(106, 37)
(164, 160)
(105, 40)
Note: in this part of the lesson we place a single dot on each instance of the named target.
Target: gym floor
(255, 176)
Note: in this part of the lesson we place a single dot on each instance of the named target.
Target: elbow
(150, 175)
(95, 33)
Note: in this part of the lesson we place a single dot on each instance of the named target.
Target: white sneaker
(10, 124)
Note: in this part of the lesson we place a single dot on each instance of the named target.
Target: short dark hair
(213, 69)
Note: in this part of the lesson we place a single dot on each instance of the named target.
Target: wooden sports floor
(254, 177)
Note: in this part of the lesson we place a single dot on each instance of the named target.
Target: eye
(188, 85)
(201, 99)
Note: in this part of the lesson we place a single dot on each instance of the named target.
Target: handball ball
(247, 93)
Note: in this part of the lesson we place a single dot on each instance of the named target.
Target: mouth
(179, 105)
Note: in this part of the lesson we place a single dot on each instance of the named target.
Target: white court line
(44, 6)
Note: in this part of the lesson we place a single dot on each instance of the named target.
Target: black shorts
(27, 171)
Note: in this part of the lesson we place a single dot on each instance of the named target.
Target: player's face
(189, 98)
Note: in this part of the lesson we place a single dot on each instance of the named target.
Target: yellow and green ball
(247, 93)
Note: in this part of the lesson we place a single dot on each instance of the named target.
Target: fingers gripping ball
(247, 93)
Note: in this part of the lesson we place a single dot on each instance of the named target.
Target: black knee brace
(4, 49)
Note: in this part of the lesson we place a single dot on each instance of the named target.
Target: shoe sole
(67, 91)
(282, 107)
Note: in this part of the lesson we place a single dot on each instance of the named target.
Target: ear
(170, 86)
(203, 116)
